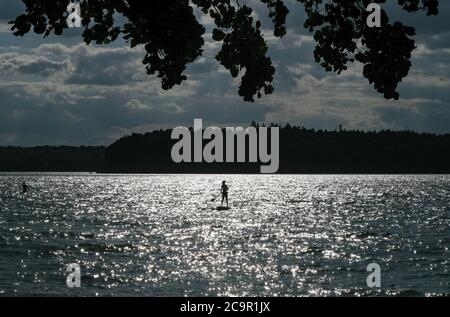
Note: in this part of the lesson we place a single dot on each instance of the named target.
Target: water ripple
(284, 235)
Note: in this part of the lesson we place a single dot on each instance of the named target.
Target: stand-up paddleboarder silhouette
(224, 192)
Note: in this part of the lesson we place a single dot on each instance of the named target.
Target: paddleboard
(222, 208)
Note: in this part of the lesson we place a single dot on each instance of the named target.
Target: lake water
(160, 235)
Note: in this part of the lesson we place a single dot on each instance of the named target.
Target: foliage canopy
(172, 34)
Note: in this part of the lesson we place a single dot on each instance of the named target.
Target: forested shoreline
(301, 151)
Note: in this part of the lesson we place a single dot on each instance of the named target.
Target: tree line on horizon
(301, 151)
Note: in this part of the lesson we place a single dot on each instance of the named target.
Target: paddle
(214, 199)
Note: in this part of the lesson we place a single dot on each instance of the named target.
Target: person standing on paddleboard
(24, 188)
(224, 191)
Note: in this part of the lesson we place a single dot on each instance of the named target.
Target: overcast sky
(60, 91)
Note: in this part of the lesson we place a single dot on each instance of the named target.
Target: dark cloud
(114, 66)
(437, 41)
(422, 117)
(431, 25)
(15, 63)
(10, 9)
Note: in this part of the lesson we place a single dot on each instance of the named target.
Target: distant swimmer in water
(24, 188)
(224, 191)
